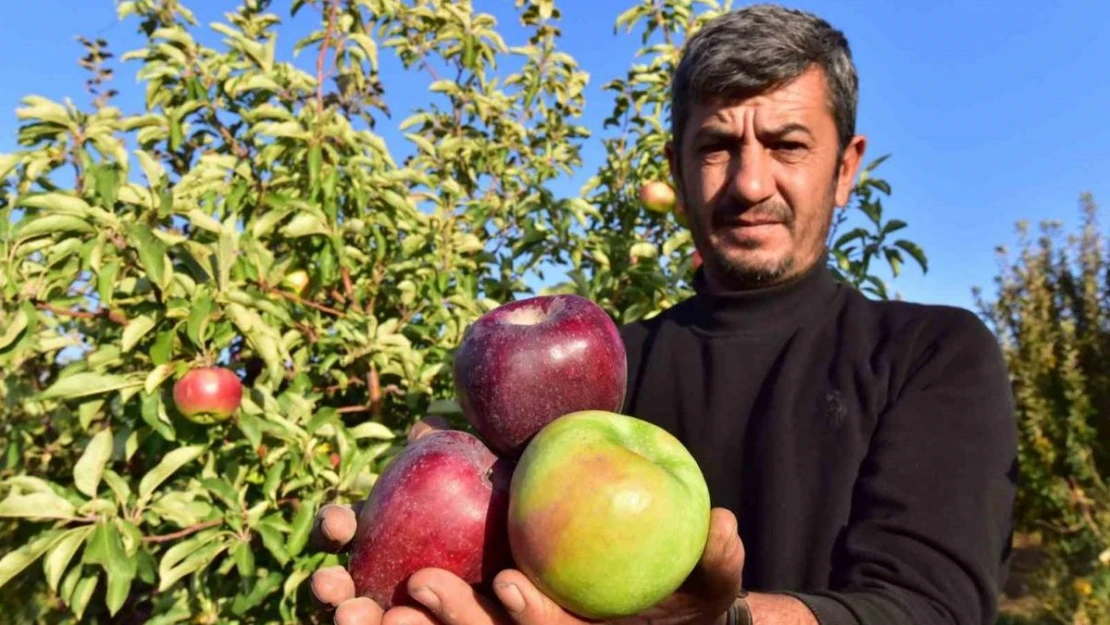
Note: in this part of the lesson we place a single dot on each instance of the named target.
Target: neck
(728, 307)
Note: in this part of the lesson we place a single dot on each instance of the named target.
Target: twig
(300, 300)
(192, 529)
(83, 314)
(332, 9)
(350, 409)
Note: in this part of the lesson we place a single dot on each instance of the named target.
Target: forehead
(801, 100)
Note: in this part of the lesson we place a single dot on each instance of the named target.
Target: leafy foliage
(1052, 314)
(137, 246)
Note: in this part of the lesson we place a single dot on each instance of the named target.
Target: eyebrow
(723, 134)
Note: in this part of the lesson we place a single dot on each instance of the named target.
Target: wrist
(739, 613)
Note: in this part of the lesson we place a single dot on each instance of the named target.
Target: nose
(751, 180)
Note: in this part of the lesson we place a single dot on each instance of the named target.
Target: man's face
(759, 180)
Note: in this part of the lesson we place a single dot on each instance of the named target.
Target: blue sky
(994, 111)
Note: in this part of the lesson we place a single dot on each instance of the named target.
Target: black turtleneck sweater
(868, 449)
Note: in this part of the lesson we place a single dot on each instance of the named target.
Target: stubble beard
(752, 273)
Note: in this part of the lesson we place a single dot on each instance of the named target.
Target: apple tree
(251, 215)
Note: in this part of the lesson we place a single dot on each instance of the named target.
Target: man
(867, 449)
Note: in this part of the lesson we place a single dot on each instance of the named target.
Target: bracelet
(740, 613)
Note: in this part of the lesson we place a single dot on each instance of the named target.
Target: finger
(358, 611)
(334, 527)
(408, 615)
(451, 600)
(426, 425)
(526, 605)
(332, 586)
(722, 562)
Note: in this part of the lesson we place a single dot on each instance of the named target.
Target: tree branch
(192, 529)
(332, 9)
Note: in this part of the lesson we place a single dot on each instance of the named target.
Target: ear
(672, 162)
(849, 166)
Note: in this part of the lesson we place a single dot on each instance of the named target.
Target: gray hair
(752, 50)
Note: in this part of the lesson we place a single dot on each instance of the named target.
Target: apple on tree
(525, 363)
(608, 514)
(296, 281)
(208, 395)
(443, 503)
(657, 196)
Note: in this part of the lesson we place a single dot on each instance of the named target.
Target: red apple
(526, 363)
(657, 196)
(208, 395)
(443, 503)
(697, 260)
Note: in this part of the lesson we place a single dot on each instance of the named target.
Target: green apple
(657, 196)
(608, 514)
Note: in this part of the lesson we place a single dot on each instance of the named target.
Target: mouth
(752, 222)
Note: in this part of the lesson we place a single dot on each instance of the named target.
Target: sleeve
(928, 539)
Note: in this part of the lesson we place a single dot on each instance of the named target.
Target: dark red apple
(208, 395)
(526, 363)
(443, 503)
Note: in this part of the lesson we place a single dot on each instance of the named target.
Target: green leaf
(302, 526)
(136, 329)
(51, 224)
(82, 594)
(40, 505)
(198, 319)
(89, 468)
(181, 509)
(106, 549)
(119, 486)
(272, 540)
(189, 557)
(156, 377)
(244, 558)
(204, 221)
(167, 467)
(373, 429)
(14, 562)
(106, 281)
(107, 185)
(57, 561)
(643, 249)
(57, 203)
(16, 326)
(304, 224)
(152, 254)
(85, 384)
(915, 252)
(153, 414)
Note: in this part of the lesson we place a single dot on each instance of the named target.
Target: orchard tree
(1051, 312)
(252, 218)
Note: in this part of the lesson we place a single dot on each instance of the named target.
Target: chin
(753, 267)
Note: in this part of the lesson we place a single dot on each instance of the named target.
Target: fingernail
(426, 596)
(511, 597)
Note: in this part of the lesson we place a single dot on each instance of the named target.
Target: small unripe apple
(296, 281)
(658, 197)
(208, 395)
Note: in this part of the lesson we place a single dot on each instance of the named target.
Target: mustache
(730, 212)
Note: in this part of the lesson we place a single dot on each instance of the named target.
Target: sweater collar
(782, 306)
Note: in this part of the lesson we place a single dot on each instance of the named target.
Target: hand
(332, 530)
(448, 600)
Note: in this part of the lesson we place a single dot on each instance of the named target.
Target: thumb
(720, 571)
(526, 604)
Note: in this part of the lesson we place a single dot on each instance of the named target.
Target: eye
(789, 146)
